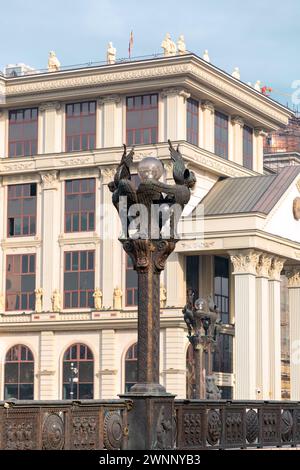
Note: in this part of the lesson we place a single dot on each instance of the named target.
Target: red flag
(130, 45)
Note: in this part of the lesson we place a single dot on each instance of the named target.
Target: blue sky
(261, 37)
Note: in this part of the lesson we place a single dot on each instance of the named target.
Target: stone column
(236, 153)
(108, 370)
(175, 113)
(208, 131)
(111, 121)
(47, 367)
(175, 361)
(293, 276)
(274, 329)
(3, 131)
(176, 295)
(50, 259)
(258, 150)
(245, 263)
(50, 125)
(262, 328)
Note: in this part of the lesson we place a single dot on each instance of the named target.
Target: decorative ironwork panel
(84, 429)
(271, 426)
(53, 431)
(193, 429)
(234, 428)
(113, 430)
(21, 430)
(252, 426)
(214, 427)
(286, 426)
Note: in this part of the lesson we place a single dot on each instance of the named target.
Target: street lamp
(73, 379)
(203, 321)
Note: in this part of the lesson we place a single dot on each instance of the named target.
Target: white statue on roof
(111, 54)
(206, 56)
(257, 85)
(236, 73)
(168, 46)
(181, 47)
(53, 62)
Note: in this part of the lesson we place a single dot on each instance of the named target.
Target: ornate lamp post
(149, 218)
(73, 379)
(203, 321)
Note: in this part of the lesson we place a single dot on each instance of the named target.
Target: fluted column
(274, 330)
(258, 150)
(262, 328)
(236, 153)
(293, 276)
(175, 113)
(208, 131)
(176, 294)
(109, 132)
(47, 367)
(245, 263)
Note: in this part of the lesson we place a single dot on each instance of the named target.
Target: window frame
(192, 135)
(132, 290)
(219, 297)
(132, 349)
(247, 142)
(141, 129)
(77, 361)
(81, 134)
(31, 142)
(21, 293)
(22, 216)
(88, 292)
(81, 211)
(19, 361)
(219, 144)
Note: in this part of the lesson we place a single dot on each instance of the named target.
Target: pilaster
(208, 122)
(293, 276)
(258, 150)
(274, 329)
(176, 295)
(108, 369)
(110, 122)
(237, 124)
(245, 263)
(50, 127)
(47, 367)
(175, 113)
(175, 362)
(3, 132)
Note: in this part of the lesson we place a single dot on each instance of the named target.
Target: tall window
(131, 283)
(192, 121)
(142, 119)
(192, 275)
(80, 126)
(23, 132)
(21, 210)
(248, 147)
(20, 282)
(221, 135)
(80, 205)
(222, 361)
(131, 367)
(78, 373)
(19, 373)
(221, 286)
(79, 279)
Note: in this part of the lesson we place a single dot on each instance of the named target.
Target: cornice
(146, 70)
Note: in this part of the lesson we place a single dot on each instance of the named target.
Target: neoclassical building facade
(68, 315)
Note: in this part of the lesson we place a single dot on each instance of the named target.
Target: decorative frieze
(263, 266)
(276, 268)
(245, 262)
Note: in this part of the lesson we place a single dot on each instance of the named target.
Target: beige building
(68, 316)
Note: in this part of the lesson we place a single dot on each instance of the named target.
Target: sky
(261, 37)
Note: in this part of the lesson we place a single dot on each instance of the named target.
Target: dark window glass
(23, 132)
(192, 121)
(79, 279)
(142, 119)
(248, 147)
(78, 373)
(131, 367)
(192, 275)
(19, 373)
(131, 283)
(21, 209)
(80, 205)
(221, 286)
(222, 361)
(20, 282)
(80, 126)
(221, 135)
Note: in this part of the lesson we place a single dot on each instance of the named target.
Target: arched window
(19, 373)
(78, 372)
(131, 367)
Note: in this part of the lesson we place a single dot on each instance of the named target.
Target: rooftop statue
(168, 46)
(53, 62)
(181, 45)
(236, 73)
(257, 85)
(206, 56)
(111, 54)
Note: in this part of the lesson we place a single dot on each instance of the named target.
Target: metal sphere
(150, 168)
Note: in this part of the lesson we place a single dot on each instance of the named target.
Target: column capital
(172, 91)
(237, 120)
(293, 276)
(263, 266)
(49, 105)
(260, 132)
(244, 262)
(107, 174)
(207, 105)
(276, 268)
(49, 179)
(109, 99)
